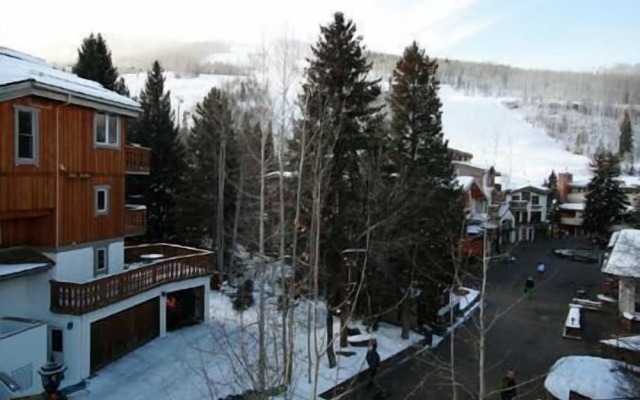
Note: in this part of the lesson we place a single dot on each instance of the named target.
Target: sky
(553, 34)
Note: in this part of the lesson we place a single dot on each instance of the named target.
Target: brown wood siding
(117, 335)
(26, 188)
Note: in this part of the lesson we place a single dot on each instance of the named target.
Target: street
(526, 335)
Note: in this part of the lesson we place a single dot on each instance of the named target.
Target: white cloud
(55, 28)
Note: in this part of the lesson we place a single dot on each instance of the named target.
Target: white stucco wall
(21, 354)
(26, 297)
(30, 298)
(76, 264)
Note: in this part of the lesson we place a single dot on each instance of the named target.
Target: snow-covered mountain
(483, 126)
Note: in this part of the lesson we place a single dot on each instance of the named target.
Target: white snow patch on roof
(594, 377)
(572, 206)
(18, 67)
(464, 182)
(11, 269)
(624, 259)
(628, 342)
(629, 180)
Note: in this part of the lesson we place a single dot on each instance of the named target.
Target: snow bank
(598, 378)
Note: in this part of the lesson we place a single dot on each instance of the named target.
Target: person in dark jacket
(373, 360)
(528, 288)
(508, 386)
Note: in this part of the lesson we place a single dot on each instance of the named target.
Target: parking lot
(525, 335)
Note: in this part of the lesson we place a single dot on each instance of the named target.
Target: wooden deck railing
(135, 221)
(80, 298)
(137, 160)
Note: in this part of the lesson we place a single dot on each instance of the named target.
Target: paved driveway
(527, 336)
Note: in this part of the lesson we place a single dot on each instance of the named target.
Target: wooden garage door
(115, 336)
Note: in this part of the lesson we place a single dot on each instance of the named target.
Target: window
(101, 201)
(106, 130)
(26, 135)
(100, 261)
(526, 196)
(515, 197)
(56, 340)
(535, 200)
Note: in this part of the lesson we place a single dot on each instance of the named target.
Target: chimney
(564, 180)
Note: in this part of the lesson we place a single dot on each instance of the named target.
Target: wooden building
(64, 159)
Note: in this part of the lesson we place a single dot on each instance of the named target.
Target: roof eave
(20, 274)
(34, 88)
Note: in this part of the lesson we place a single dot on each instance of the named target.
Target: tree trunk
(220, 206)
(236, 217)
(331, 355)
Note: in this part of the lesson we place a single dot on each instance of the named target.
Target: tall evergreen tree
(340, 121)
(156, 129)
(626, 137)
(94, 63)
(605, 201)
(431, 213)
(553, 214)
(213, 127)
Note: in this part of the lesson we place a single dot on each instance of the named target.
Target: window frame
(107, 201)
(105, 269)
(35, 127)
(537, 200)
(107, 118)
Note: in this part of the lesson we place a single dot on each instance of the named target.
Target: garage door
(117, 335)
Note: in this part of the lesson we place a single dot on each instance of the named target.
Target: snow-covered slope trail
(500, 137)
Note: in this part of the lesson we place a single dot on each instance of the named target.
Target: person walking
(508, 386)
(528, 288)
(541, 268)
(373, 361)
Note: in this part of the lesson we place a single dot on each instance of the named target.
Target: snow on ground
(594, 377)
(502, 138)
(219, 358)
(628, 342)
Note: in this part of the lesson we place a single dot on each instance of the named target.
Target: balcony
(178, 263)
(518, 205)
(137, 160)
(135, 220)
(571, 221)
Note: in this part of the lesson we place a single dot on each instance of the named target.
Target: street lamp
(52, 374)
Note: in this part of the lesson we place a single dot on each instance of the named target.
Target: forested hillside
(582, 110)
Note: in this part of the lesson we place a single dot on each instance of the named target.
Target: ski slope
(186, 92)
(500, 137)
(482, 126)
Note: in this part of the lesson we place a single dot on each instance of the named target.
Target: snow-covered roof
(629, 180)
(464, 182)
(627, 342)
(594, 377)
(624, 259)
(40, 78)
(19, 261)
(572, 206)
(6, 270)
(522, 186)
